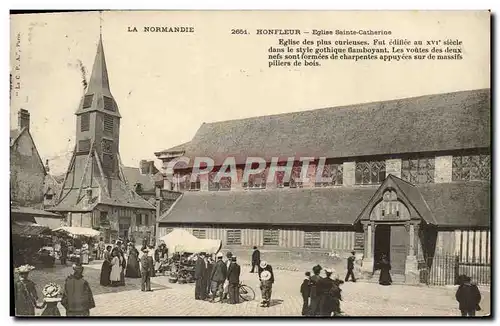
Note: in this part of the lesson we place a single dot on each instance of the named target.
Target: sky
(167, 84)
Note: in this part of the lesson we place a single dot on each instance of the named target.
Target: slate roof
(429, 123)
(14, 134)
(179, 148)
(451, 204)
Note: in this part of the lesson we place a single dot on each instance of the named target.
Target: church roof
(98, 95)
(461, 204)
(134, 176)
(439, 122)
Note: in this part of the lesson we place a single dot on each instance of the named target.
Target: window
(200, 234)
(107, 162)
(471, 167)
(146, 220)
(49, 196)
(108, 123)
(256, 181)
(312, 239)
(187, 184)
(85, 122)
(138, 219)
(103, 218)
(87, 101)
(271, 237)
(109, 104)
(233, 237)
(223, 184)
(370, 172)
(418, 170)
(295, 181)
(107, 146)
(334, 172)
(84, 145)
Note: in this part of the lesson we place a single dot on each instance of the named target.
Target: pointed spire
(99, 82)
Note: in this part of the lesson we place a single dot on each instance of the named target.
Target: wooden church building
(408, 178)
(95, 192)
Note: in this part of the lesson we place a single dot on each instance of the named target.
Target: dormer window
(109, 104)
(87, 101)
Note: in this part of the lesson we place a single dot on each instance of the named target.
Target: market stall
(81, 241)
(30, 242)
(183, 245)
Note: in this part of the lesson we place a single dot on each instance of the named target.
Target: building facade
(95, 192)
(407, 178)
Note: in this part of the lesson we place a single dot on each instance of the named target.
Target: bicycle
(246, 293)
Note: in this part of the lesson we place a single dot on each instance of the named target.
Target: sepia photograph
(307, 164)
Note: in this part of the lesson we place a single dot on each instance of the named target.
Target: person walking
(200, 268)
(305, 291)
(266, 277)
(468, 297)
(146, 270)
(25, 294)
(233, 278)
(350, 267)
(225, 295)
(219, 275)
(106, 267)
(385, 267)
(255, 259)
(314, 308)
(77, 297)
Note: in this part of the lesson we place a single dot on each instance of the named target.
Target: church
(95, 192)
(406, 178)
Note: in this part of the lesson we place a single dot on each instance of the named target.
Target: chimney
(143, 166)
(47, 168)
(23, 119)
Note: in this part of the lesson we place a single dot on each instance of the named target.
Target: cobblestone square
(359, 299)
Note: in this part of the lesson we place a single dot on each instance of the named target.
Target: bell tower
(98, 120)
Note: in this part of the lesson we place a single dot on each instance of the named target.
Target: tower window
(107, 162)
(108, 104)
(87, 101)
(108, 123)
(84, 145)
(85, 122)
(107, 146)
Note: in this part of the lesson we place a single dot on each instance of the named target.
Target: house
(29, 178)
(408, 178)
(95, 192)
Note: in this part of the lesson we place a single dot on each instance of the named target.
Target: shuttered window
(109, 104)
(85, 122)
(271, 237)
(312, 239)
(107, 162)
(87, 101)
(84, 145)
(233, 237)
(108, 124)
(200, 234)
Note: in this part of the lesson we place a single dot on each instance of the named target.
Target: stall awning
(31, 211)
(78, 231)
(29, 229)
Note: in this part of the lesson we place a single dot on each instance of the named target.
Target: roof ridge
(347, 106)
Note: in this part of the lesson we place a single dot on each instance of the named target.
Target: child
(305, 290)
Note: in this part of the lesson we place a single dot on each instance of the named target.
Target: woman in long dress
(106, 267)
(385, 275)
(85, 254)
(123, 263)
(116, 268)
(133, 268)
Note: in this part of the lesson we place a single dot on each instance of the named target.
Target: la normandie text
(162, 29)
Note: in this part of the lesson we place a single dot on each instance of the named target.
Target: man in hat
(219, 275)
(77, 297)
(25, 292)
(314, 309)
(266, 283)
(305, 290)
(350, 267)
(200, 290)
(233, 278)
(255, 259)
(146, 270)
(468, 297)
(229, 255)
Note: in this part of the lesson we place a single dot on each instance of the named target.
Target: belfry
(95, 192)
